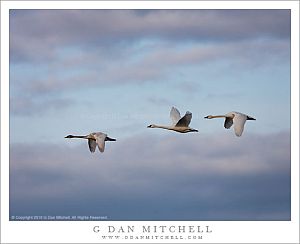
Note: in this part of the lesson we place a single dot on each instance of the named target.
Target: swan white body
(94, 139)
(180, 124)
(236, 119)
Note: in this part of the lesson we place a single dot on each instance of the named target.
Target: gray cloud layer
(174, 177)
(67, 50)
(93, 27)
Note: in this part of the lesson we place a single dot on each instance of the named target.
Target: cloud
(72, 50)
(156, 65)
(93, 27)
(173, 177)
(33, 105)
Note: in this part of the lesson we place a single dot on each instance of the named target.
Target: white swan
(237, 119)
(94, 139)
(179, 124)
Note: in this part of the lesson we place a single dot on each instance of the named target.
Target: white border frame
(82, 231)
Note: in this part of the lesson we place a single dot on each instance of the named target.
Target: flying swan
(94, 139)
(179, 124)
(236, 119)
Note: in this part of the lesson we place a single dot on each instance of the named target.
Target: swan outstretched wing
(185, 120)
(239, 121)
(92, 145)
(100, 140)
(175, 115)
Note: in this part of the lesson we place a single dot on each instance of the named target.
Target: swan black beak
(110, 139)
(250, 118)
(206, 117)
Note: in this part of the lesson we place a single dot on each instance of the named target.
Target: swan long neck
(71, 136)
(163, 127)
(215, 116)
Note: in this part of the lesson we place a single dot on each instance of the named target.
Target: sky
(117, 71)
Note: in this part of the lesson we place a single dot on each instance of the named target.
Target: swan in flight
(236, 119)
(94, 139)
(180, 124)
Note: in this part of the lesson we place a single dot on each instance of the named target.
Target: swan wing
(92, 145)
(239, 121)
(185, 120)
(175, 115)
(228, 122)
(100, 140)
